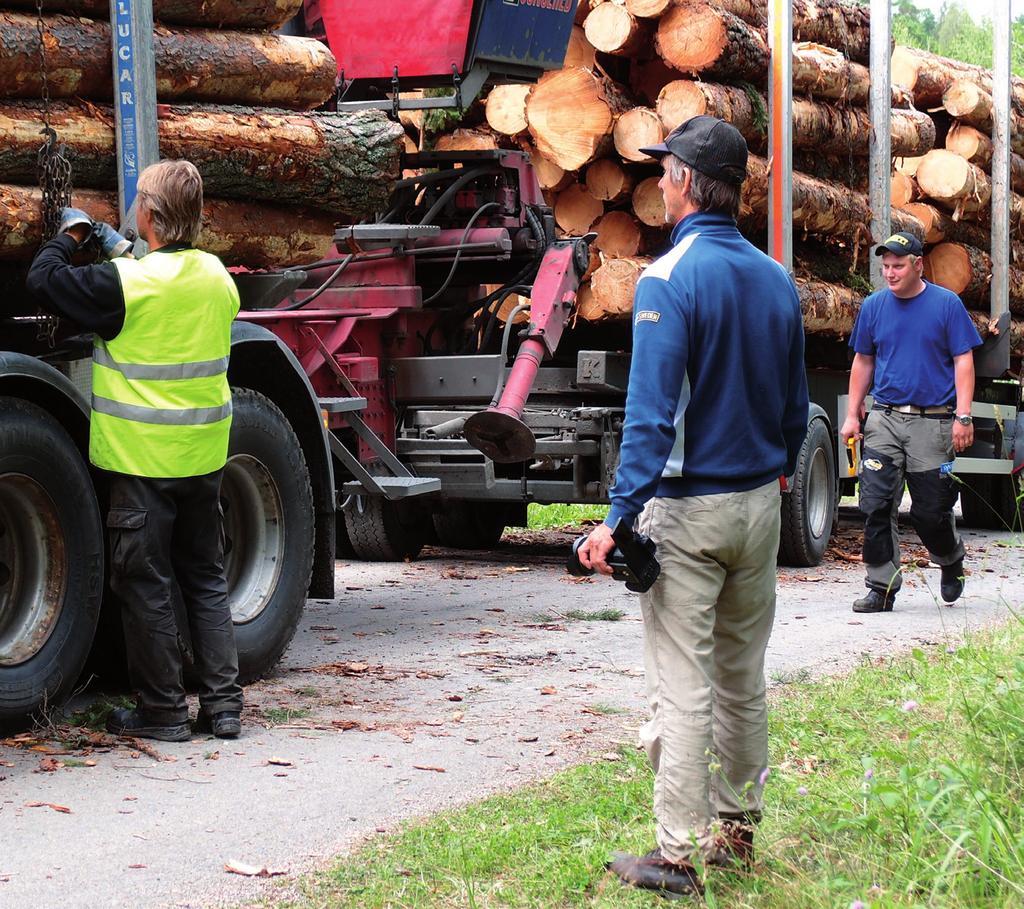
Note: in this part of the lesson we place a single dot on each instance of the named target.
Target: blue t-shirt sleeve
(656, 377)
(862, 339)
(960, 330)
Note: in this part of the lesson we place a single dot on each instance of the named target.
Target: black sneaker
(875, 601)
(225, 725)
(952, 584)
(129, 722)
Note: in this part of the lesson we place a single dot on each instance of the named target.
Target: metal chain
(54, 171)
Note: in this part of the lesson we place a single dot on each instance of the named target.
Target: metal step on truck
(379, 401)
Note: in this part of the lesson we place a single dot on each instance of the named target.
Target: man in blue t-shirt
(913, 349)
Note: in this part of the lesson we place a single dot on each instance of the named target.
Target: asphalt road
(422, 686)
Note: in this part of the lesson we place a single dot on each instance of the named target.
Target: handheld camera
(634, 559)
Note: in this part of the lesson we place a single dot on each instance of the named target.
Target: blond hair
(172, 193)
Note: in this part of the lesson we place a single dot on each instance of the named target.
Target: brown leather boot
(655, 872)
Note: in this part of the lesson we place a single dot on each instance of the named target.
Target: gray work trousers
(707, 621)
(918, 450)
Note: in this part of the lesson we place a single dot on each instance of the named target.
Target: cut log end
(636, 129)
(576, 210)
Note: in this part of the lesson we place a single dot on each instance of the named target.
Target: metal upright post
(880, 160)
(997, 361)
(780, 133)
(131, 25)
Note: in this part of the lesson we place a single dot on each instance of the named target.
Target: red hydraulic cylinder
(499, 432)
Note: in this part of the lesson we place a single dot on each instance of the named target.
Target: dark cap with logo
(707, 144)
(901, 244)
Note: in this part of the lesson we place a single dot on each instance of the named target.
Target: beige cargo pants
(707, 621)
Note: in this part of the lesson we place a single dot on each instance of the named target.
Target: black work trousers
(164, 532)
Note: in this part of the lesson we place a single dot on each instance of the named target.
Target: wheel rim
(33, 568)
(818, 505)
(254, 536)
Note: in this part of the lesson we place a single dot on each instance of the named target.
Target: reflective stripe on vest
(161, 401)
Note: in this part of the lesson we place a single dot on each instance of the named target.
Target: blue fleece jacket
(717, 398)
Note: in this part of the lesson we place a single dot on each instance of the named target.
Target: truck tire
(470, 525)
(989, 502)
(809, 509)
(382, 531)
(51, 561)
(269, 529)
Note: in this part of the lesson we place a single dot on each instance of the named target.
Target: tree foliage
(954, 33)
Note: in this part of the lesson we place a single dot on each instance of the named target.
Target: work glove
(72, 217)
(112, 244)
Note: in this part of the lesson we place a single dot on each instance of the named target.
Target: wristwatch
(964, 419)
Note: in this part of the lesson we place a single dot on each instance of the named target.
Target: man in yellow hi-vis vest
(161, 415)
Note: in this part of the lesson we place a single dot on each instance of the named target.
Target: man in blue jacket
(716, 413)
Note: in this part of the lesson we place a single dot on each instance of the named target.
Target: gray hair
(172, 193)
(707, 193)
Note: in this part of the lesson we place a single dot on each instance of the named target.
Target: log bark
(267, 15)
(819, 208)
(608, 180)
(953, 181)
(240, 233)
(823, 72)
(850, 171)
(611, 289)
(967, 271)
(570, 114)
(826, 128)
(343, 163)
(828, 310)
(191, 64)
(618, 234)
(696, 37)
(928, 76)
(636, 129)
(649, 203)
(505, 108)
(576, 210)
(612, 29)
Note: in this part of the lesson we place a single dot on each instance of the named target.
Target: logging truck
(426, 366)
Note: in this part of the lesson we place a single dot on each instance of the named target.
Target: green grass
(595, 615)
(542, 517)
(900, 785)
(281, 716)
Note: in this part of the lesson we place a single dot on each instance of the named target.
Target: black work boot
(875, 601)
(952, 584)
(738, 836)
(129, 722)
(225, 725)
(655, 872)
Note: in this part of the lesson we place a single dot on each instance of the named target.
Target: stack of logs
(234, 98)
(637, 68)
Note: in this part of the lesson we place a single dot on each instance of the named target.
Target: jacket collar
(699, 221)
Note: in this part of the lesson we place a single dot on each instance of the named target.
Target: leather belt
(941, 411)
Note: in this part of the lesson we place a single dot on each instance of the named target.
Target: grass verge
(901, 784)
(543, 517)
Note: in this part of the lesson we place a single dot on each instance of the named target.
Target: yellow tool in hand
(852, 456)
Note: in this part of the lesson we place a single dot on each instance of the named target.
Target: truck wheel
(809, 509)
(382, 531)
(269, 530)
(51, 560)
(470, 525)
(990, 502)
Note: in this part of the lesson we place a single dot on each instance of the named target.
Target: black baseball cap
(707, 144)
(901, 244)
